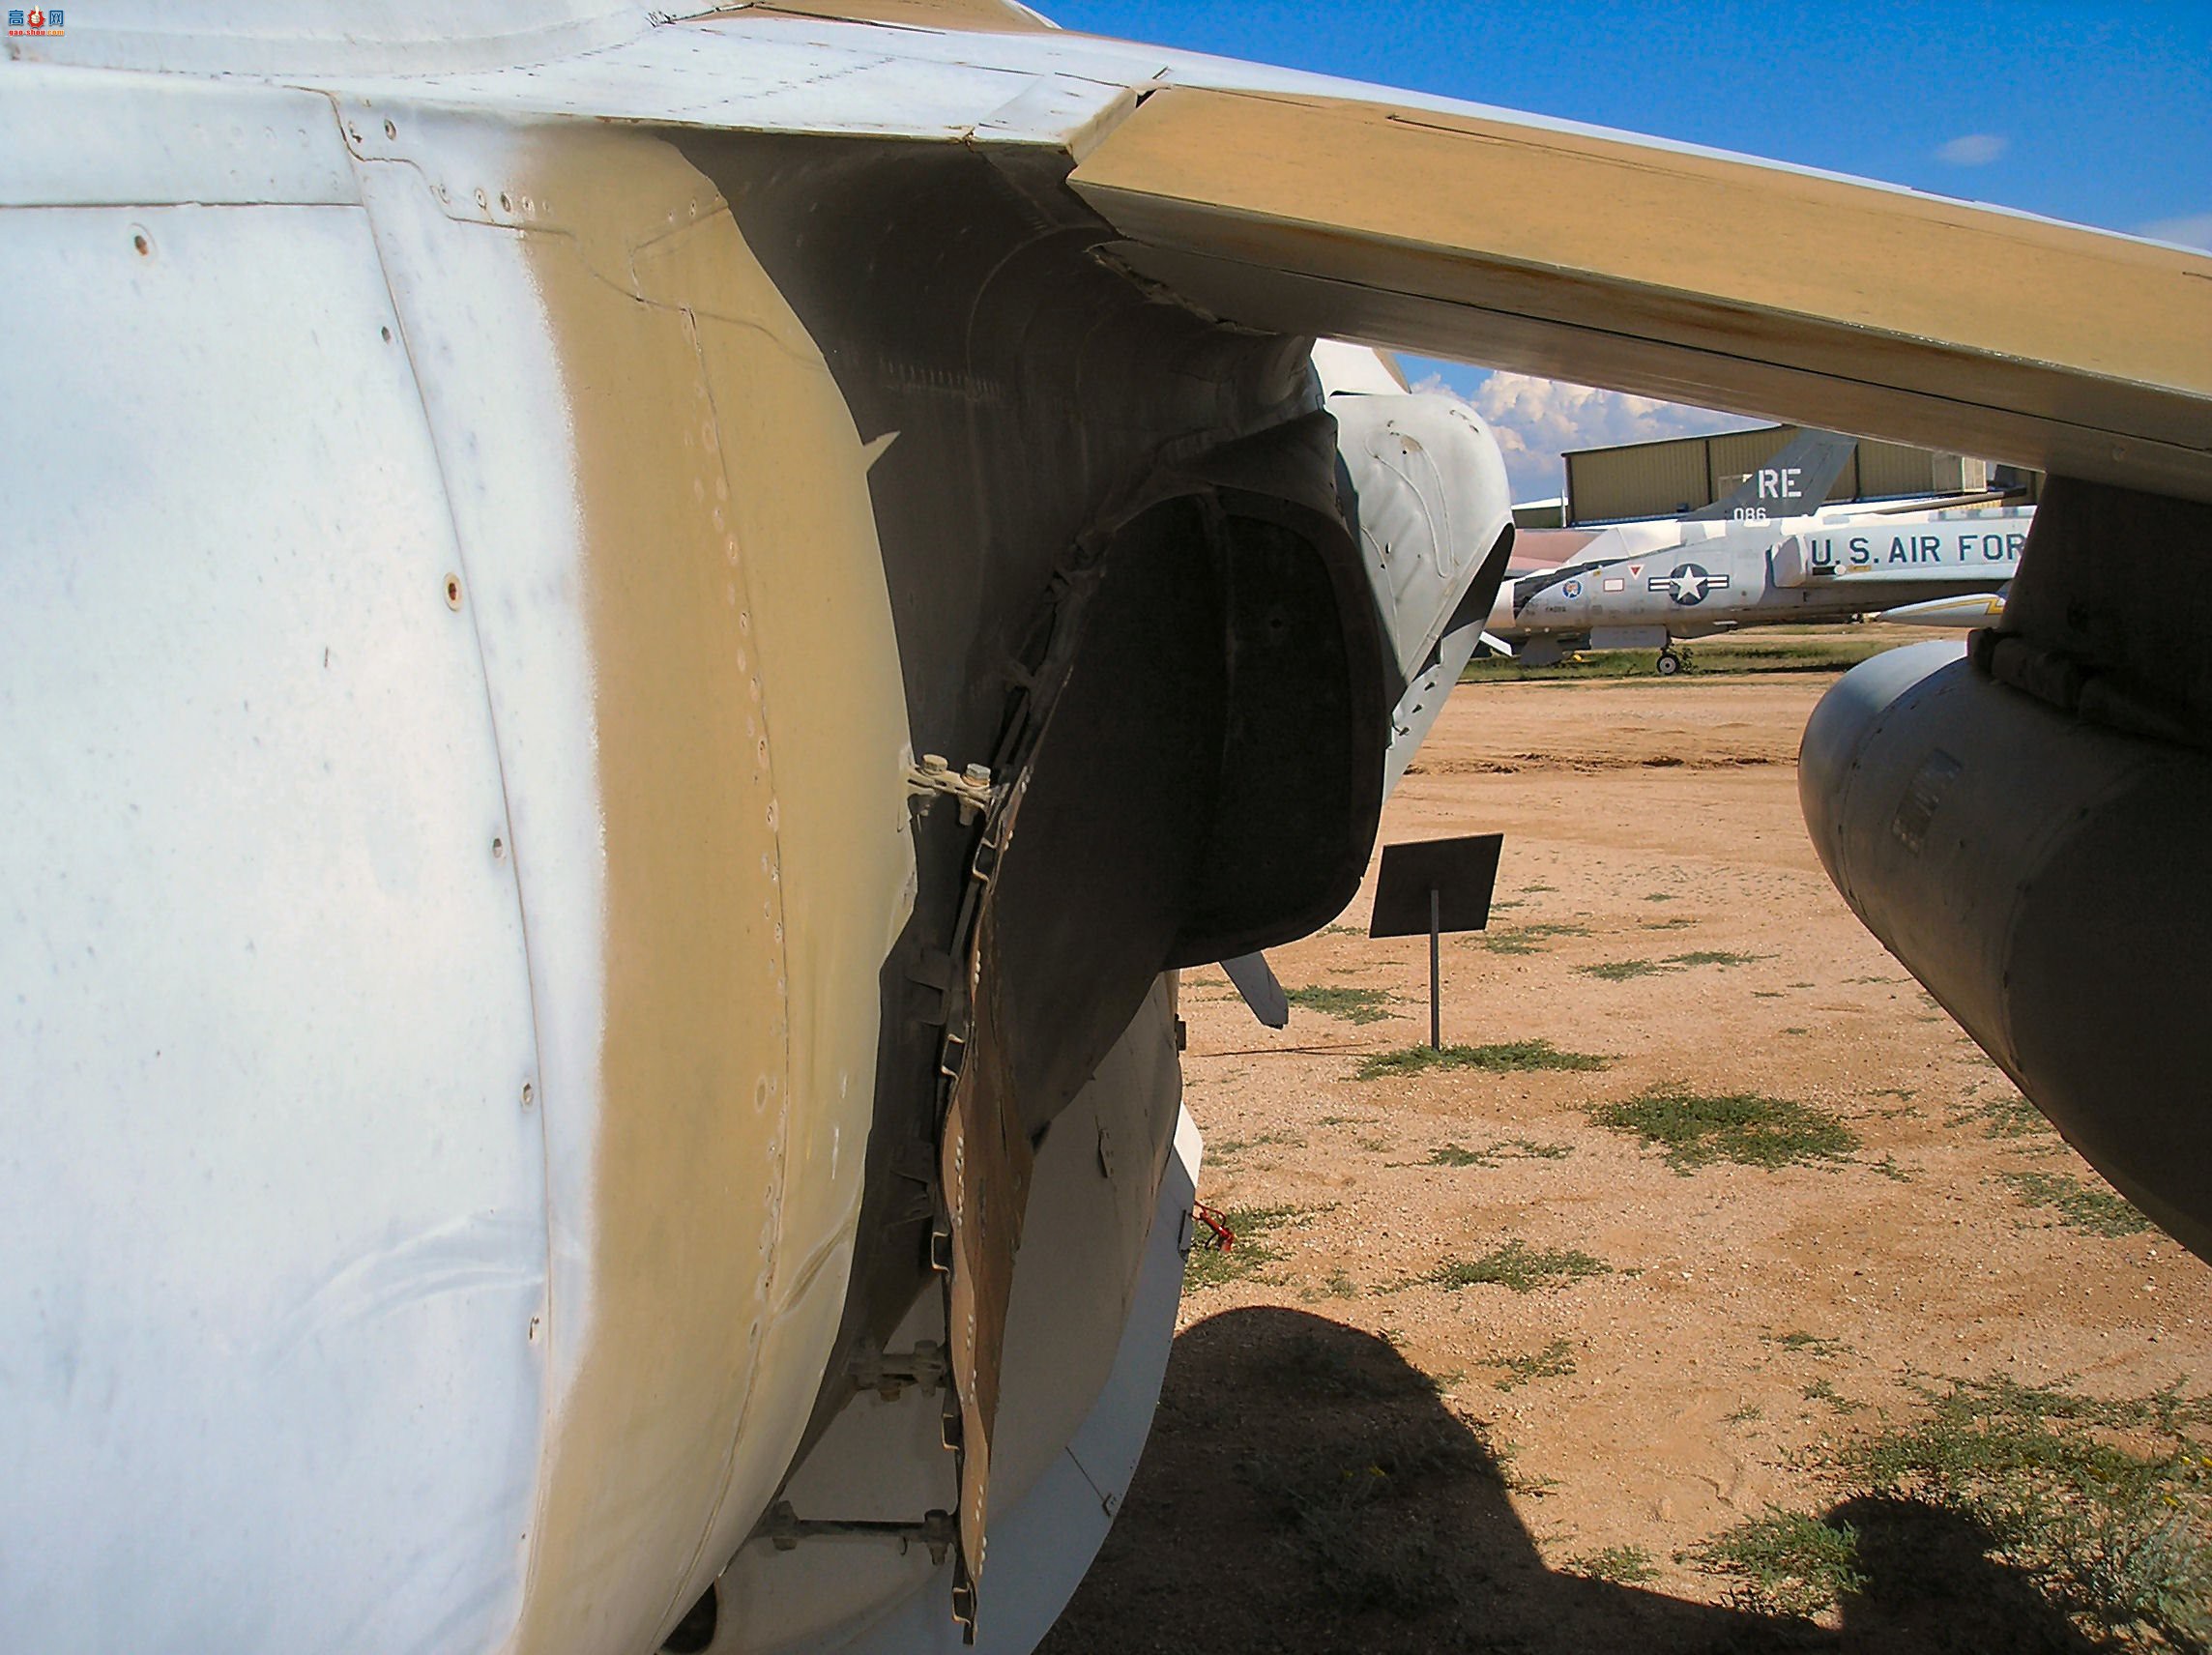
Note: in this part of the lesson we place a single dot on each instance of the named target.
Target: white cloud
(1973, 149)
(1535, 421)
(2191, 230)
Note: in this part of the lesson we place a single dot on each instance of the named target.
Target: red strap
(1223, 1237)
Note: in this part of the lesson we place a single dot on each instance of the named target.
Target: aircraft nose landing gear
(1669, 663)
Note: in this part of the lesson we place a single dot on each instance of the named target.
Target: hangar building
(1678, 475)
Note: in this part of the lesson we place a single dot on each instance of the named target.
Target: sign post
(1436, 970)
(1435, 885)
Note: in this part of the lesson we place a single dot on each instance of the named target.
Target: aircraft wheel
(1669, 663)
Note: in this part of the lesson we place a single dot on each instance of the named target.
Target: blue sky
(2097, 113)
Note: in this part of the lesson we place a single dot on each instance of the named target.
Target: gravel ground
(1353, 1454)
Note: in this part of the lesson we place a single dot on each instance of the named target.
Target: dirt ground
(1555, 1455)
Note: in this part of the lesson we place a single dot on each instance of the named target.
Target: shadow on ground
(1305, 1491)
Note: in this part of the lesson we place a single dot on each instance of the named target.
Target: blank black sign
(1460, 871)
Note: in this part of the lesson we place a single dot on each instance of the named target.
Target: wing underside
(1582, 256)
(1304, 205)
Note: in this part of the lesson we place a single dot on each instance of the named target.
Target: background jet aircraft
(521, 1132)
(1769, 554)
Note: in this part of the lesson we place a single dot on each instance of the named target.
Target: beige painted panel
(1879, 311)
(687, 1175)
(800, 525)
(749, 728)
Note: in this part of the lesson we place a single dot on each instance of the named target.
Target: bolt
(978, 775)
(932, 762)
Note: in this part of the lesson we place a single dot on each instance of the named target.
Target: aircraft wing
(1309, 204)
(1882, 310)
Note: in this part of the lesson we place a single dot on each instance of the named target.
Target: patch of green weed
(1620, 970)
(1516, 1266)
(1784, 1562)
(1555, 1361)
(1509, 1149)
(1353, 1004)
(1501, 1058)
(1223, 1148)
(2105, 1506)
(1745, 654)
(1821, 1391)
(2119, 1535)
(1525, 938)
(1622, 1565)
(2097, 1209)
(1798, 1340)
(2011, 1116)
(1697, 1129)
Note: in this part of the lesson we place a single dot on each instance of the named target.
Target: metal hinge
(888, 1372)
(933, 776)
(784, 1528)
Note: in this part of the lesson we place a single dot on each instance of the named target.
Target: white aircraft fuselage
(1642, 584)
